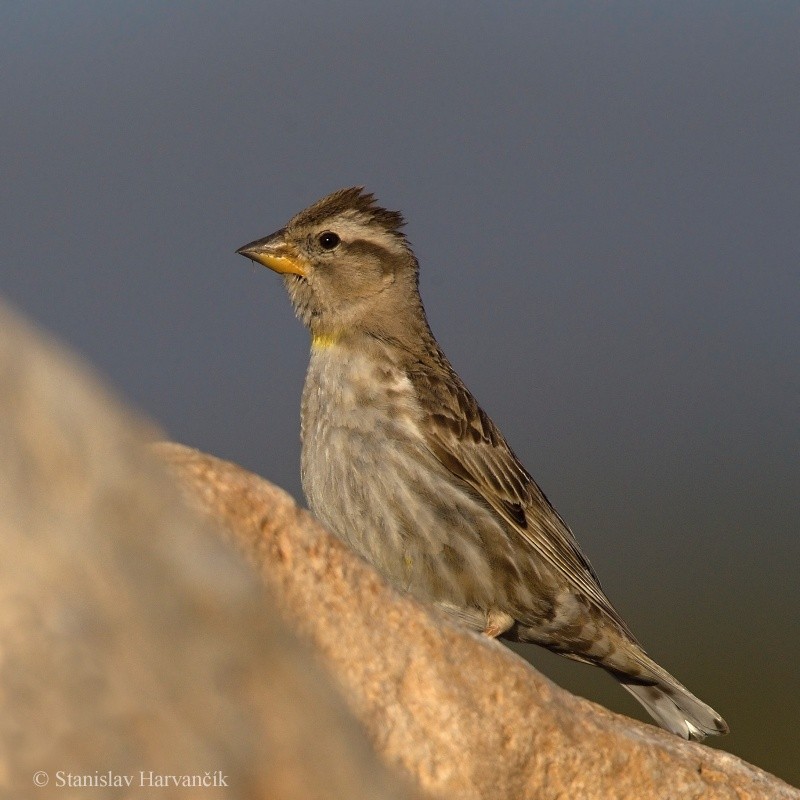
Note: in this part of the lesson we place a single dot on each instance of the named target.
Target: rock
(136, 646)
(459, 714)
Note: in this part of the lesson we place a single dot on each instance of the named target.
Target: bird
(400, 462)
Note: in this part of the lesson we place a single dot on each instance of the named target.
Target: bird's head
(346, 264)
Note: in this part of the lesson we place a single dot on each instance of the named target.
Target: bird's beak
(275, 253)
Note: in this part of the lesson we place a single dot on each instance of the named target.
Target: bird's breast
(349, 391)
(359, 433)
(370, 477)
(357, 412)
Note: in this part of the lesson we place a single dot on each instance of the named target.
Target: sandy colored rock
(133, 639)
(461, 715)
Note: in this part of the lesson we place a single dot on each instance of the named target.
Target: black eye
(328, 240)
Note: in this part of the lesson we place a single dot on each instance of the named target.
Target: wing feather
(466, 441)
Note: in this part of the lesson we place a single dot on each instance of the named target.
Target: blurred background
(604, 198)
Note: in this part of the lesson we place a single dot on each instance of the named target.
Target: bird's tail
(672, 705)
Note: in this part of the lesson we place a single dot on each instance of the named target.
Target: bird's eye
(328, 240)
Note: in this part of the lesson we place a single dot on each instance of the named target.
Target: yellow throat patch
(323, 341)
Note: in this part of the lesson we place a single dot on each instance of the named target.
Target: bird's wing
(466, 441)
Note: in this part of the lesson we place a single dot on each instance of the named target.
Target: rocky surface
(458, 713)
(136, 646)
(136, 642)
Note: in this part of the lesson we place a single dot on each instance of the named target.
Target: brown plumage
(401, 462)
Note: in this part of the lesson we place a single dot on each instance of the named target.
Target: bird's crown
(355, 203)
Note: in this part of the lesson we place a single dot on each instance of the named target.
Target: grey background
(604, 199)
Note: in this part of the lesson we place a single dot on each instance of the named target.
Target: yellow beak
(275, 253)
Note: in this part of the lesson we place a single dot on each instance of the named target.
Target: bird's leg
(497, 623)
